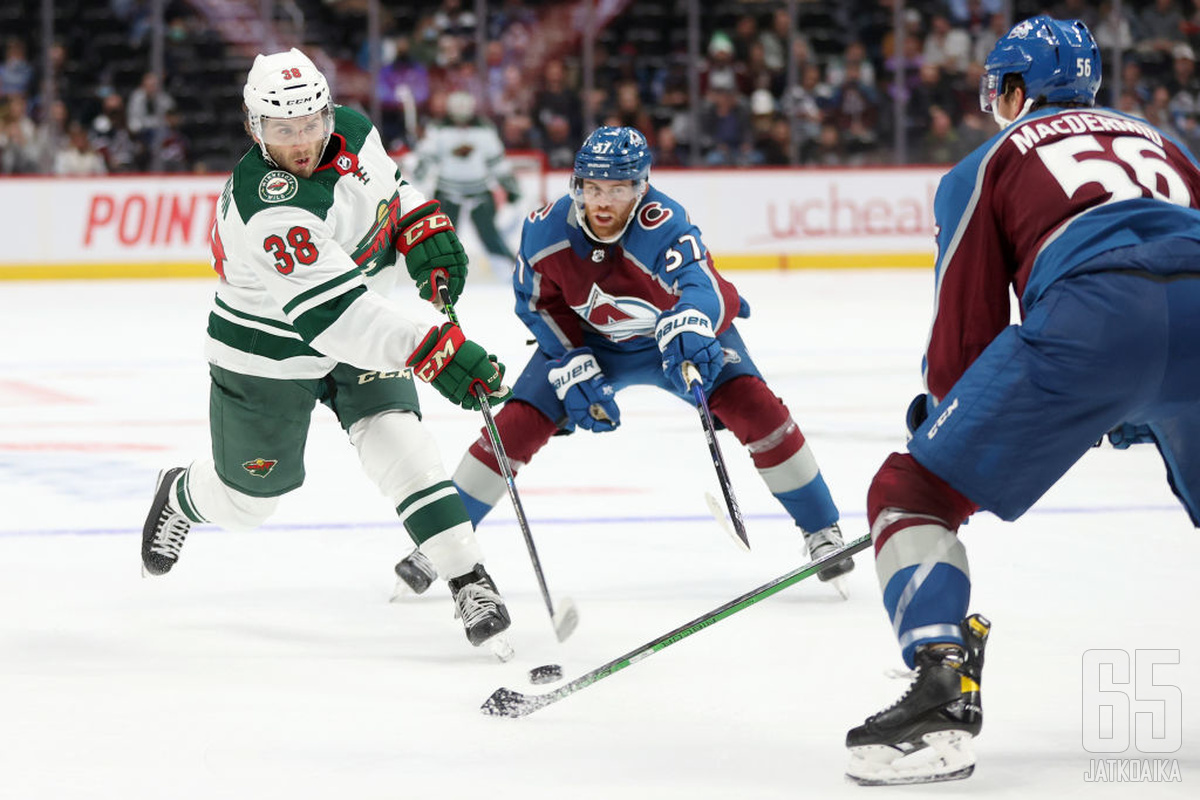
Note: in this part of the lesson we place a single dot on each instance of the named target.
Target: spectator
(947, 47)
(807, 103)
(854, 56)
(149, 105)
(559, 146)
(668, 152)
(19, 146)
(726, 129)
(973, 14)
(723, 67)
(826, 149)
(16, 73)
(174, 149)
(941, 143)
(774, 40)
(1161, 29)
(986, 39)
(77, 157)
(778, 149)
(556, 97)
(1113, 31)
(402, 83)
(111, 137)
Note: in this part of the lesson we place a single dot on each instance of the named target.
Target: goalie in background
(1090, 217)
(466, 156)
(615, 283)
(306, 243)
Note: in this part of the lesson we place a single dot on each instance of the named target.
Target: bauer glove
(456, 366)
(429, 245)
(588, 398)
(685, 334)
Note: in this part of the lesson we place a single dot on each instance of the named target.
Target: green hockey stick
(509, 703)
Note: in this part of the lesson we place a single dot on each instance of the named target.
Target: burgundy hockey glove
(685, 334)
(456, 366)
(429, 244)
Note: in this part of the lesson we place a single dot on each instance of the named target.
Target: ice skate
(926, 735)
(414, 574)
(821, 544)
(165, 528)
(481, 608)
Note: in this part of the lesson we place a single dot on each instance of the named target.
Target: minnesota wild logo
(260, 467)
(375, 250)
(276, 186)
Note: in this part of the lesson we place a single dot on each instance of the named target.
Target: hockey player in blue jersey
(1090, 217)
(618, 288)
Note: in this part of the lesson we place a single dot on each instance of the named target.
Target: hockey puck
(547, 673)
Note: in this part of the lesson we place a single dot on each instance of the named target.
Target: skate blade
(946, 756)
(839, 583)
(501, 649)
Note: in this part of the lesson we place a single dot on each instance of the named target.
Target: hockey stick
(566, 618)
(509, 703)
(691, 377)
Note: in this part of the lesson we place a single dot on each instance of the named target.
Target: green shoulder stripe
(353, 126)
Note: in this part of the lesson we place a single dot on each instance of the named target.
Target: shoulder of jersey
(660, 214)
(548, 224)
(258, 185)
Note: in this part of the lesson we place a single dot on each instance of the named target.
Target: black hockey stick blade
(691, 377)
(509, 703)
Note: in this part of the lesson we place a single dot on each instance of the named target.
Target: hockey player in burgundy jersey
(1090, 218)
(617, 286)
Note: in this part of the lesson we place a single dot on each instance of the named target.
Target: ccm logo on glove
(422, 229)
(433, 362)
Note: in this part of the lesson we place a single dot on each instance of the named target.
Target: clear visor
(989, 89)
(615, 192)
(284, 131)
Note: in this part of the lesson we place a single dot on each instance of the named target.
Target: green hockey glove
(429, 245)
(456, 366)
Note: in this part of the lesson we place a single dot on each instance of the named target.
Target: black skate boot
(824, 542)
(926, 735)
(480, 606)
(165, 528)
(415, 573)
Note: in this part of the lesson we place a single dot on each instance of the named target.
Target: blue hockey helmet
(611, 153)
(1058, 60)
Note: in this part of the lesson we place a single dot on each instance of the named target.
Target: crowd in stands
(840, 110)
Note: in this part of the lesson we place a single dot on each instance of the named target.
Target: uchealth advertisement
(159, 226)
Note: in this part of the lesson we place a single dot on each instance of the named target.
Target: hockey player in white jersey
(467, 157)
(306, 244)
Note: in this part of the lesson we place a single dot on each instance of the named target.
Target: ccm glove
(456, 366)
(429, 245)
(685, 334)
(589, 399)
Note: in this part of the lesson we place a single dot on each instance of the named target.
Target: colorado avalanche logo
(618, 318)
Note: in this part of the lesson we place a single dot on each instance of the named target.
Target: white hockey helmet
(460, 106)
(286, 85)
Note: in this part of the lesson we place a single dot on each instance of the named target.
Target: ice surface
(270, 664)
